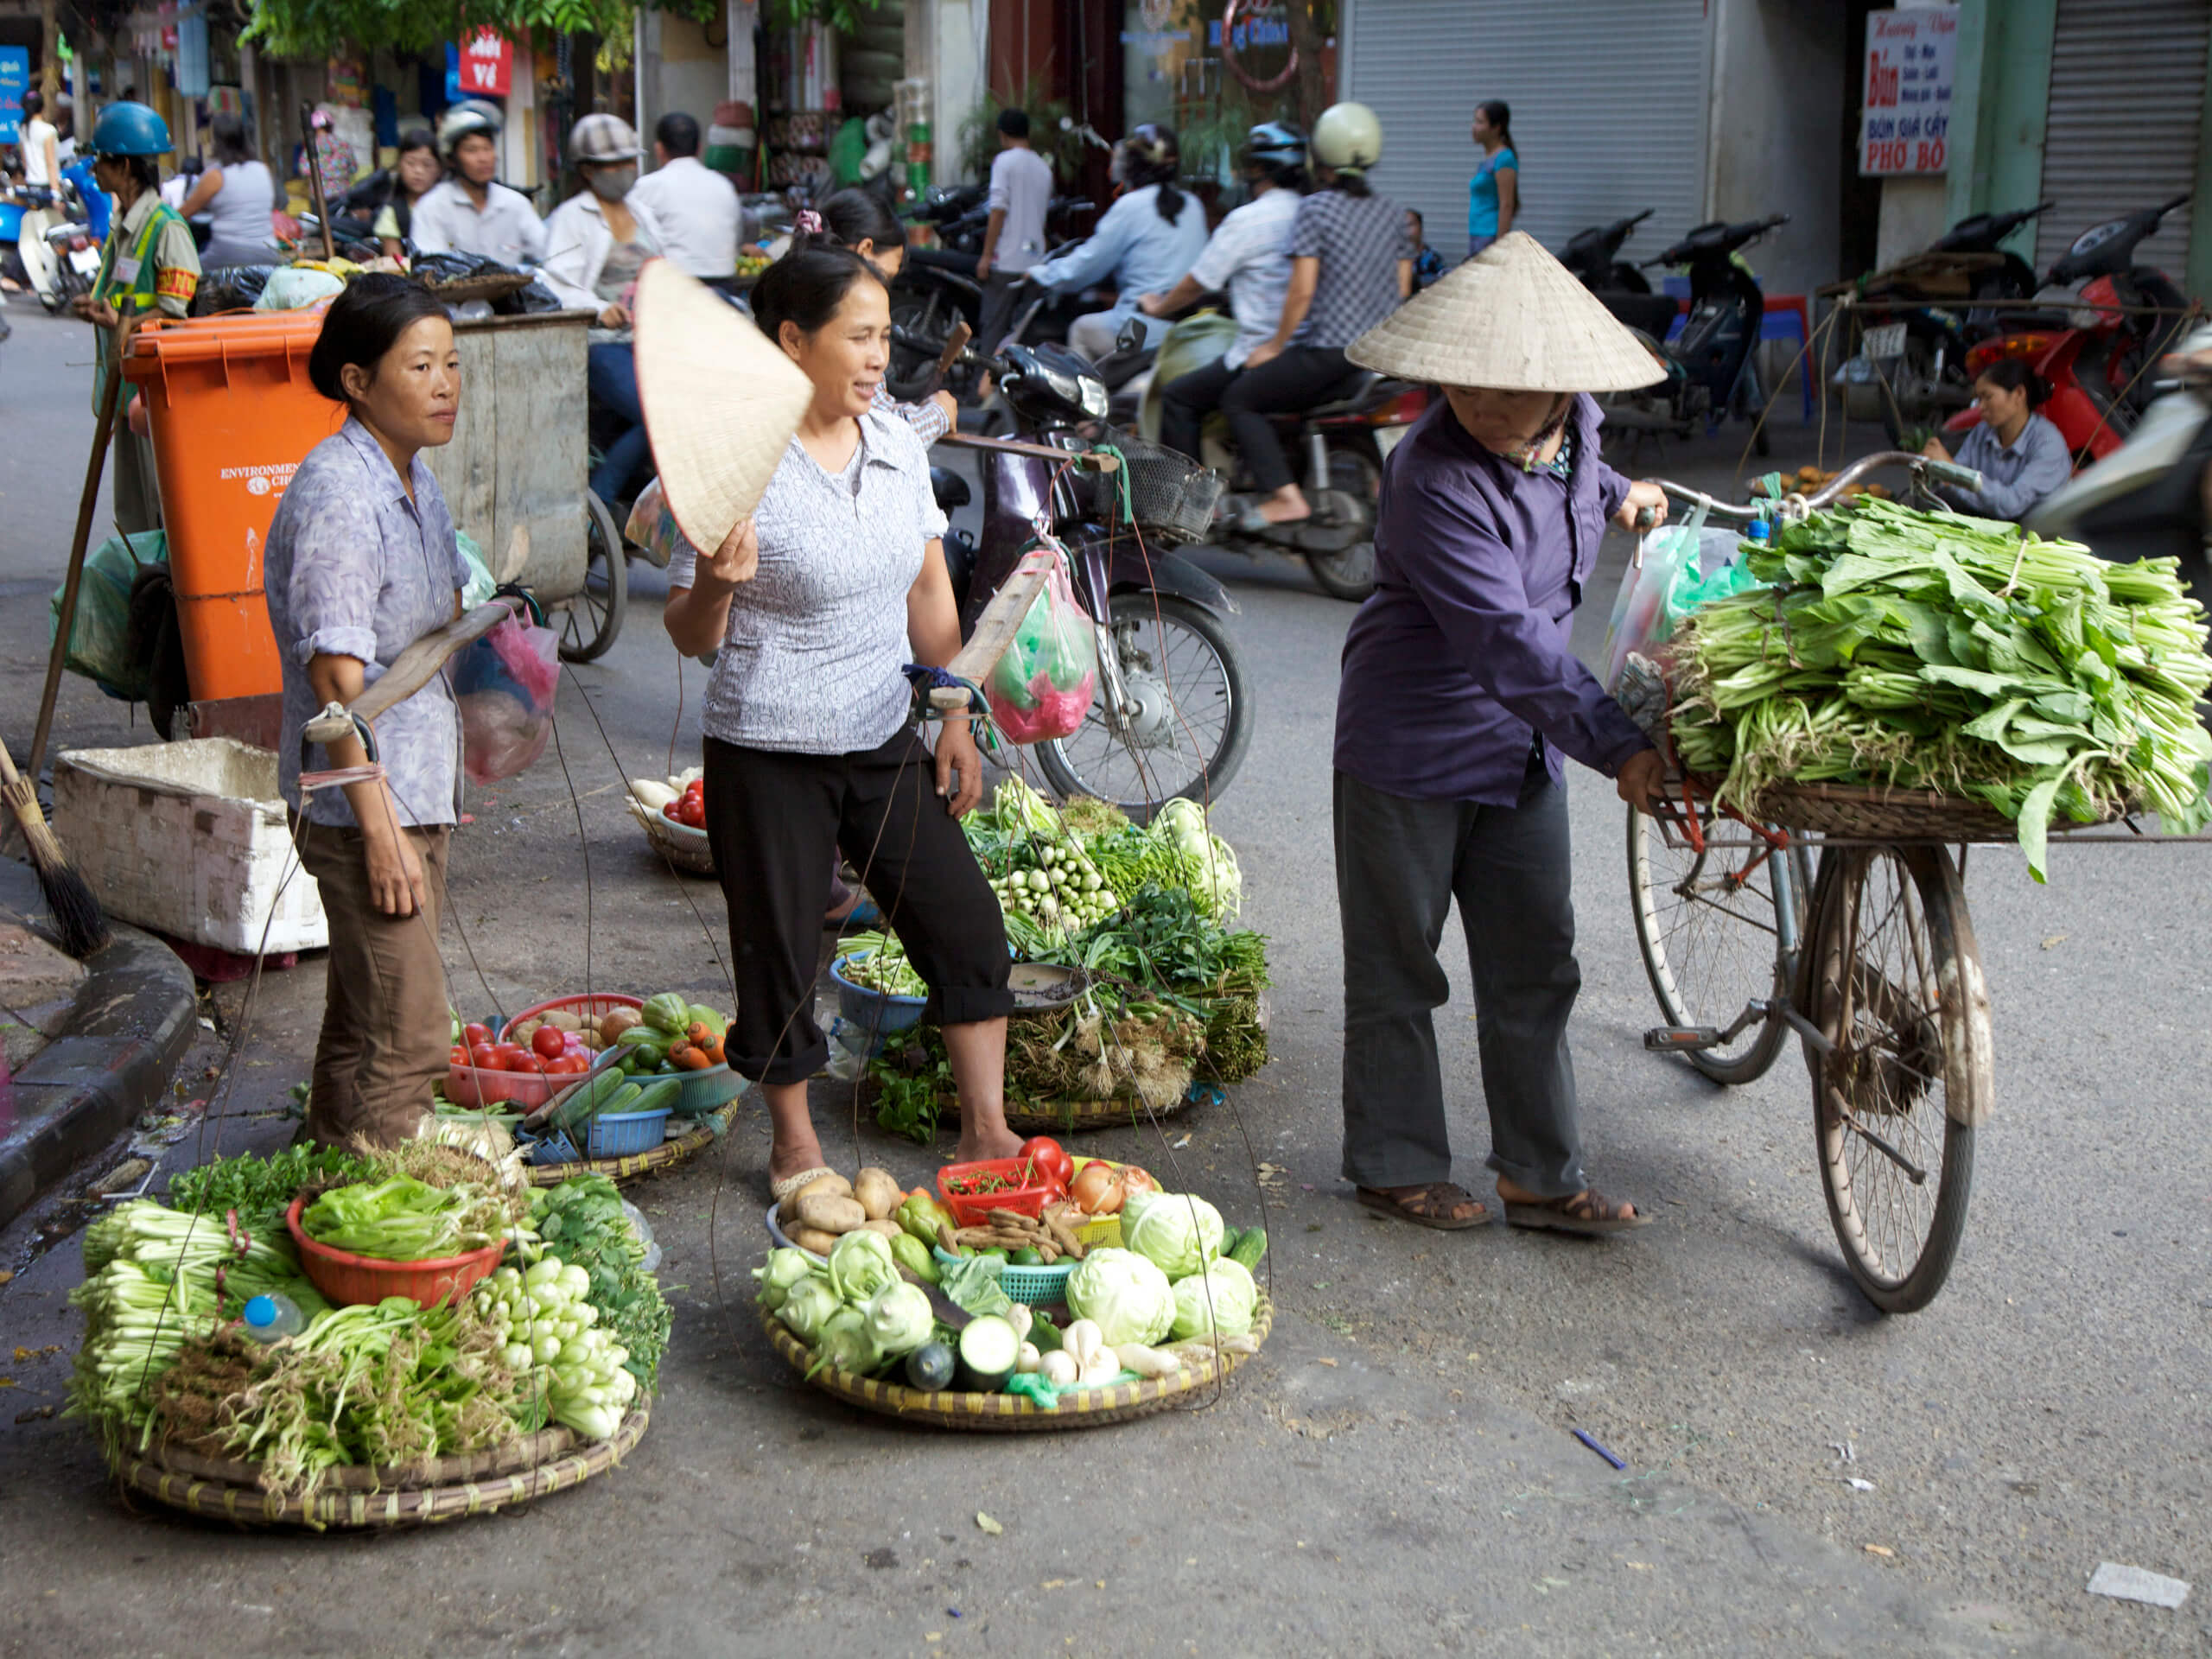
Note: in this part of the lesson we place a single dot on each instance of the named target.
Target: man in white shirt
(471, 211)
(40, 146)
(1249, 258)
(696, 207)
(1021, 189)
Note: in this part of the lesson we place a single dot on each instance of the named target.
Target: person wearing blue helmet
(149, 266)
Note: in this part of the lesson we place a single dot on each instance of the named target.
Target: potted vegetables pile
(1005, 1284)
(219, 1342)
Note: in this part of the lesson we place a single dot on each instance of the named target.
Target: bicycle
(1869, 957)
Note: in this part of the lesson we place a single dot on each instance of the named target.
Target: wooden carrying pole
(410, 671)
(65, 625)
(315, 180)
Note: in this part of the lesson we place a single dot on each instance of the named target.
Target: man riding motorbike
(1352, 265)
(1246, 259)
(471, 211)
(1149, 237)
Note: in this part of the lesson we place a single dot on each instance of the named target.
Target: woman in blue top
(1494, 193)
(1149, 238)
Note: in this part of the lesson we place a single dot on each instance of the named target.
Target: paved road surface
(1395, 1475)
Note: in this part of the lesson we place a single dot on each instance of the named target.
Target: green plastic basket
(1037, 1286)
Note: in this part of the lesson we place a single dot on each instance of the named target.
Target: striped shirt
(810, 661)
(1359, 241)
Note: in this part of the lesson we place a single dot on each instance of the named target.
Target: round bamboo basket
(667, 1155)
(354, 1499)
(1014, 1412)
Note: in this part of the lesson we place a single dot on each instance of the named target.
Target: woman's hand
(1641, 780)
(956, 752)
(1934, 450)
(395, 872)
(737, 558)
(616, 315)
(1643, 496)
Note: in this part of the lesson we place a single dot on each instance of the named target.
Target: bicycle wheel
(1893, 980)
(1707, 925)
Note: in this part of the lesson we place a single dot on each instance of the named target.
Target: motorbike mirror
(1132, 336)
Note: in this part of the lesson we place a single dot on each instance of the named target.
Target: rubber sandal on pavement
(1588, 1214)
(1427, 1205)
(778, 1191)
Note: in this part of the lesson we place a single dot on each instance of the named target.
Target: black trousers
(1186, 401)
(1299, 377)
(776, 821)
(1399, 863)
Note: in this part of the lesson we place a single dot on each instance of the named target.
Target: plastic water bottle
(271, 1319)
(1761, 530)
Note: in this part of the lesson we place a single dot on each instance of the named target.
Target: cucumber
(929, 1367)
(586, 1100)
(1229, 1237)
(989, 1350)
(658, 1097)
(1251, 1245)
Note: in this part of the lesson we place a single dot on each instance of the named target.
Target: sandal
(1433, 1205)
(1589, 1214)
(778, 1191)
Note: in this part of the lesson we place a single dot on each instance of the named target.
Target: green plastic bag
(96, 639)
(480, 587)
(1041, 687)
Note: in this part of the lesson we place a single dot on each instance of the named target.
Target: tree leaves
(310, 29)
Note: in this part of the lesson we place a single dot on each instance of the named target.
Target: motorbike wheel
(1192, 724)
(594, 616)
(1349, 573)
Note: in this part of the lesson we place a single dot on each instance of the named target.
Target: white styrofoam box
(190, 839)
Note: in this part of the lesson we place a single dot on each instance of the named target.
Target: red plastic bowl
(975, 1210)
(467, 1085)
(347, 1279)
(596, 1004)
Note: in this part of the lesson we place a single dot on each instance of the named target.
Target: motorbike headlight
(1093, 396)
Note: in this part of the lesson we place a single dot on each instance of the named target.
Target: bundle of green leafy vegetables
(582, 1221)
(1930, 651)
(260, 1189)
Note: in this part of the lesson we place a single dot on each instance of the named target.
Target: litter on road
(2138, 1584)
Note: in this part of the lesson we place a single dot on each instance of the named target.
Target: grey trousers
(1399, 863)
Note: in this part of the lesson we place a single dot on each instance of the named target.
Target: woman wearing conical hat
(1460, 704)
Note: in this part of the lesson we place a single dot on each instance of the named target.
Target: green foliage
(979, 132)
(314, 29)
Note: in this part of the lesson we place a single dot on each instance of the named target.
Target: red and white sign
(1906, 120)
(487, 65)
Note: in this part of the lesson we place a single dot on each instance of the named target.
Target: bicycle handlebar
(1947, 472)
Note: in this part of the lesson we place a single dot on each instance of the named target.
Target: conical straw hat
(721, 399)
(1512, 318)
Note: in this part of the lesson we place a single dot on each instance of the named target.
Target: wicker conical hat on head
(1512, 318)
(721, 399)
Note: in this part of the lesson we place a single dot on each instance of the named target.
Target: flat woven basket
(495, 285)
(667, 1155)
(1014, 1412)
(688, 849)
(1048, 1117)
(356, 1500)
(1855, 813)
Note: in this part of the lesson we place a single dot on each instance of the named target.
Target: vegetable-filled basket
(1871, 812)
(1014, 1412)
(438, 1490)
(695, 1138)
(680, 844)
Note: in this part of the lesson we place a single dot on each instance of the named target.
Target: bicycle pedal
(1681, 1040)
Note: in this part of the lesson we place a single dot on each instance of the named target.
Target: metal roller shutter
(1591, 150)
(2127, 98)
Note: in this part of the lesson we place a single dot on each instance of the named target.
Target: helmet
(130, 129)
(465, 119)
(1348, 138)
(1274, 147)
(598, 138)
(1150, 145)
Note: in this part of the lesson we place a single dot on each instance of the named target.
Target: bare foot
(1285, 506)
(976, 1145)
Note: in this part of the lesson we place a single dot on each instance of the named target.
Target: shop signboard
(14, 81)
(1906, 119)
(482, 67)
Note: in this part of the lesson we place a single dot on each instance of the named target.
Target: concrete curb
(128, 1029)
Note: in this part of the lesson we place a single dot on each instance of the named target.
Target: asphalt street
(1394, 1473)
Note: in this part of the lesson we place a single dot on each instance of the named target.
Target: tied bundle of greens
(1929, 652)
(581, 1222)
(260, 1189)
(402, 1220)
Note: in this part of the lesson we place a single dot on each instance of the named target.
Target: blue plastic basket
(1036, 1287)
(624, 1134)
(879, 1013)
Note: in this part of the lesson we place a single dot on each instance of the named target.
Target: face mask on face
(610, 183)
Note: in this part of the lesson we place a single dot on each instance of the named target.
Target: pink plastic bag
(505, 684)
(1042, 687)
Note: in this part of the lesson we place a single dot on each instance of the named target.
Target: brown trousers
(386, 1028)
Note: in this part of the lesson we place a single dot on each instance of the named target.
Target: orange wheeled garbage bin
(232, 417)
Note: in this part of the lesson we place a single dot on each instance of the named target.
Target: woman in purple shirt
(1459, 704)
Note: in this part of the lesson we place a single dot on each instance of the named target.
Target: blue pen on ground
(1586, 1440)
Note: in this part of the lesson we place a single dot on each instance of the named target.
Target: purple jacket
(1460, 653)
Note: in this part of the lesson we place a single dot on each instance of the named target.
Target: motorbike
(2096, 351)
(55, 242)
(1594, 256)
(1341, 444)
(1173, 715)
(1917, 320)
(938, 287)
(1712, 365)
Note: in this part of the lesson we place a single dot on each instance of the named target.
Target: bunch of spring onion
(552, 1338)
(1929, 652)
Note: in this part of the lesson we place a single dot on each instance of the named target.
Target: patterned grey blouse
(354, 568)
(810, 661)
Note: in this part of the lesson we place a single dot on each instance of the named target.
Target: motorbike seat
(960, 265)
(950, 489)
(1350, 400)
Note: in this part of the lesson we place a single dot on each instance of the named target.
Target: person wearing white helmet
(1351, 266)
(596, 242)
(471, 211)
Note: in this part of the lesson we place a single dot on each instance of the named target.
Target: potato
(877, 1193)
(879, 1225)
(834, 1186)
(561, 1020)
(521, 1033)
(615, 1022)
(808, 1238)
(830, 1214)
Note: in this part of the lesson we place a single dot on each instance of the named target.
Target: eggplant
(989, 1348)
(930, 1367)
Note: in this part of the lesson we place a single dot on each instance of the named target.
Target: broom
(76, 912)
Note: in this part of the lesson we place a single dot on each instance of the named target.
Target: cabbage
(899, 1318)
(807, 1308)
(861, 1264)
(845, 1344)
(784, 1270)
(1226, 1289)
(1126, 1296)
(1178, 1232)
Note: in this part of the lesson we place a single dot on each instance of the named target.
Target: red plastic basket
(975, 1210)
(347, 1279)
(596, 1004)
(467, 1085)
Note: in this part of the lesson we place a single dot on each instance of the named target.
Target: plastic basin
(877, 1012)
(597, 1004)
(348, 1279)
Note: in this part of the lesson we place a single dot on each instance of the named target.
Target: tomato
(694, 813)
(457, 1055)
(484, 1057)
(548, 1042)
(1051, 1158)
(567, 1066)
(695, 788)
(673, 812)
(472, 1034)
(511, 1057)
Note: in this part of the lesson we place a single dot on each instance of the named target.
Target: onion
(1136, 1180)
(1096, 1189)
